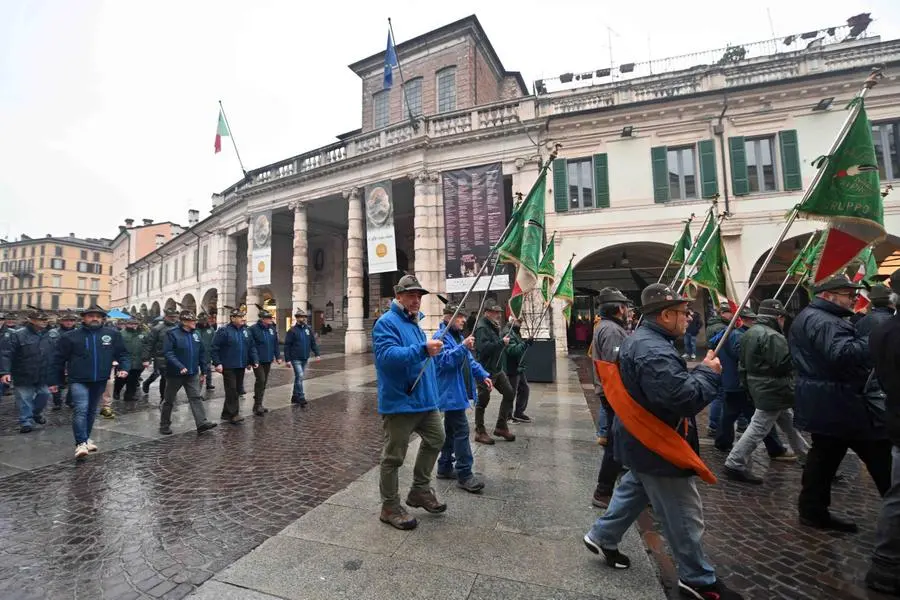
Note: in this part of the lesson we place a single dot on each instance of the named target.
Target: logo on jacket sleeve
(53, 333)
(196, 337)
(106, 340)
(141, 336)
(244, 331)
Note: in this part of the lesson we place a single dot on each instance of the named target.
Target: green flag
(522, 247)
(848, 197)
(711, 227)
(682, 245)
(714, 273)
(547, 268)
(804, 261)
(565, 291)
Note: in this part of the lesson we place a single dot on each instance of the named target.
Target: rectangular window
(56, 280)
(682, 173)
(58, 263)
(94, 300)
(412, 93)
(43, 250)
(57, 251)
(95, 285)
(83, 267)
(96, 257)
(54, 301)
(19, 300)
(580, 178)
(446, 90)
(760, 154)
(40, 280)
(84, 255)
(183, 263)
(41, 263)
(175, 269)
(82, 283)
(14, 252)
(381, 110)
(28, 299)
(38, 299)
(33, 248)
(886, 137)
(79, 301)
(205, 260)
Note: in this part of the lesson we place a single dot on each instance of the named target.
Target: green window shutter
(709, 183)
(659, 159)
(560, 185)
(601, 181)
(740, 183)
(790, 160)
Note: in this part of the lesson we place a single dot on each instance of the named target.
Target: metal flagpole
(412, 120)
(672, 254)
(233, 142)
(871, 81)
(709, 213)
(543, 313)
(687, 273)
(788, 275)
(796, 287)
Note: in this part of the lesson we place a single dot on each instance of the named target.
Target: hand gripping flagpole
(487, 261)
(788, 274)
(871, 81)
(674, 247)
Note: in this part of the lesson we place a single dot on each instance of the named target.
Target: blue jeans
(690, 344)
(299, 370)
(456, 444)
(86, 397)
(736, 405)
(676, 504)
(602, 420)
(715, 410)
(886, 557)
(31, 401)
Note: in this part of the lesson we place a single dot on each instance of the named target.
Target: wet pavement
(753, 537)
(153, 517)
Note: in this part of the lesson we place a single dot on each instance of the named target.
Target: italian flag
(868, 268)
(522, 247)
(221, 131)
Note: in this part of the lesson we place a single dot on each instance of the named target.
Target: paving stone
(491, 588)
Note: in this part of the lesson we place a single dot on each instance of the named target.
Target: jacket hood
(770, 322)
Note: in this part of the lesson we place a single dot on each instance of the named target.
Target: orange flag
(646, 427)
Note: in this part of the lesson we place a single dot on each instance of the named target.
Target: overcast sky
(108, 109)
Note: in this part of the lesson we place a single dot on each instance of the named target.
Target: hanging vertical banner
(261, 255)
(380, 240)
(474, 219)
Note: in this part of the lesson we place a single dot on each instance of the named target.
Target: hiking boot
(397, 517)
(474, 483)
(505, 434)
(165, 430)
(786, 456)
(743, 476)
(425, 499)
(234, 420)
(451, 474)
(713, 591)
(39, 419)
(829, 523)
(522, 418)
(889, 583)
(26, 429)
(210, 387)
(483, 438)
(613, 558)
(259, 411)
(206, 426)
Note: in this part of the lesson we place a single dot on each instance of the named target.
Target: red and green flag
(682, 246)
(221, 131)
(848, 197)
(868, 269)
(715, 275)
(565, 291)
(522, 247)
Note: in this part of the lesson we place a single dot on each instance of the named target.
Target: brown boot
(482, 437)
(505, 434)
(425, 499)
(397, 516)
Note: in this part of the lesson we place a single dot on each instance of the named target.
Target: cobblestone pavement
(157, 517)
(754, 539)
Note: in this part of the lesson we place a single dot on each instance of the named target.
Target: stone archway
(171, 304)
(154, 310)
(144, 309)
(210, 301)
(188, 303)
(133, 311)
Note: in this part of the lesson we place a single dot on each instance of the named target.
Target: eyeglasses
(849, 294)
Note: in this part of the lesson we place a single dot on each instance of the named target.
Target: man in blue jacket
(401, 352)
(26, 359)
(87, 354)
(185, 367)
(457, 372)
(265, 336)
(233, 351)
(658, 380)
(299, 343)
(832, 364)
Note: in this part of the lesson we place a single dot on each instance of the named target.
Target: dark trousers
(57, 396)
(191, 385)
(736, 405)
(822, 463)
(158, 372)
(519, 383)
(502, 385)
(609, 466)
(130, 384)
(234, 382)
(457, 450)
(261, 373)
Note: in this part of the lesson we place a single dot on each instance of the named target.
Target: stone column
(355, 340)
(427, 234)
(227, 274)
(252, 292)
(300, 276)
(559, 328)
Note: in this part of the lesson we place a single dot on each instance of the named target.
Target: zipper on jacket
(94, 338)
(190, 353)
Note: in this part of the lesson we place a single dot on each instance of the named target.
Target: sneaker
(787, 457)
(483, 438)
(81, 451)
(505, 434)
(259, 411)
(425, 499)
(829, 523)
(743, 476)
(613, 558)
(91, 446)
(685, 355)
(451, 474)
(206, 426)
(713, 591)
(601, 498)
(474, 483)
(234, 420)
(165, 430)
(39, 419)
(26, 429)
(210, 387)
(397, 517)
(523, 418)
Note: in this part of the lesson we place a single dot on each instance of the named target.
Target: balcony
(22, 271)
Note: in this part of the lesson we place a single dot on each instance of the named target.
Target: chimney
(25, 237)
(160, 239)
(193, 217)
(148, 221)
(49, 235)
(129, 222)
(71, 235)
(218, 200)
(122, 228)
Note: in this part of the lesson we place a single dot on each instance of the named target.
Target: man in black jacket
(881, 310)
(154, 351)
(26, 359)
(832, 364)
(884, 343)
(490, 349)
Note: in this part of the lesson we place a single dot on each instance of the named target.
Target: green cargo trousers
(397, 430)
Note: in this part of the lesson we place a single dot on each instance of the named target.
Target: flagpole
(672, 254)
(788, 274)
(544, 312)
(796, 287)
(709, 213)
(700, 254)
(870, 82)
(412, 120)
(233, 143)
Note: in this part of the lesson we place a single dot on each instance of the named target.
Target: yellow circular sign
(261, 267)
(381, 250)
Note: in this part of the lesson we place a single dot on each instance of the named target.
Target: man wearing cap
(882, 306)
(884, 343)
(737, 404)
(457, 372)
(491, 350)
(690, 336)
(657, 379)
(516, 352)
(265, 335)
(767, 374)
(5, 333)
(133, 338)
(299, 345)
(608, 337)
(832, 365)
(715, 325)
(233, 352)
(154, 345)
(206, 337)
(67, 323)
(87, 355)
(185, 363)
(402, 352)
(26, 359)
